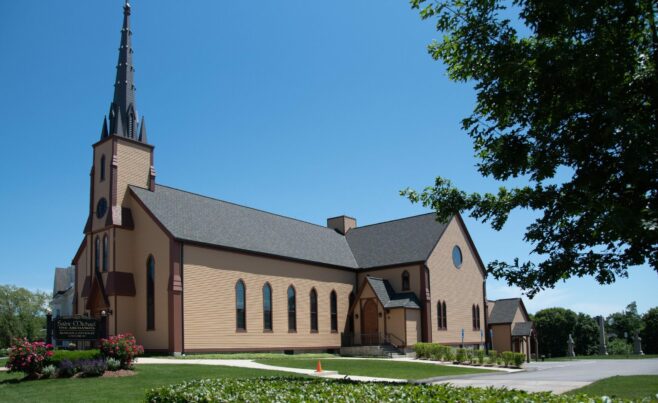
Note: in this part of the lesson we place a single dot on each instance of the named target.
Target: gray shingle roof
(522, 329)
(191, 217)
(389, 298)
(504, 311)
(394, 242)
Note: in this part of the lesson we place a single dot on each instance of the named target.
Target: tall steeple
(123, 110)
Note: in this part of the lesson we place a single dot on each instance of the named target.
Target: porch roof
(389, 298)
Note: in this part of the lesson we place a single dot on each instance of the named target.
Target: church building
(187, 273)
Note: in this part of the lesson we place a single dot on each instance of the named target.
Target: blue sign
(462, 335)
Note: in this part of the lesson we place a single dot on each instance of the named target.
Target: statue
(637, 345)
(603, 349)
(570, 345)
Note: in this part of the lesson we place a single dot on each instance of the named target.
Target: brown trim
(317, 311)
(271, 329)
(78, 253)
(426, 306)
(288, 308)
(120, 284)
(114, 269)
(148, 258)
(331, 319)
(174, 298)
(391, 266)
(406, 340)
(235, 288)
(228, 350)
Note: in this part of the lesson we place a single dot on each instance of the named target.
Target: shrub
(113, 364)
(49, 371)
(619, 347)
(90, 368)
(493, 357)
(421, 350)
(449, 354)
(299, 390)
(76, 355)
(123, 347)
(66, 369)
(444, 351)
(508, 357)
(519, 359)
(28, 357)
(461, 355)
(480, 356)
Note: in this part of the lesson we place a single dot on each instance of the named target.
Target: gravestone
(637, 345)
(570, 345)
(603, 348)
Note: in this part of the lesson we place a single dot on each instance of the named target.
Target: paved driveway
(557, 376)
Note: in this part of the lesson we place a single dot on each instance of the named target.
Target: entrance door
(370, 327)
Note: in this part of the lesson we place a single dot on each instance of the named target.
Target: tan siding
(134, 164)
(209, 278)
(413, 326)
(460, 288)
(502, 338)
(519, 316)
(394, 276)
(396, 322)
(101, 189)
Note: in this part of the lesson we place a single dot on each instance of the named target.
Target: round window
(101, 208)
(457, 256)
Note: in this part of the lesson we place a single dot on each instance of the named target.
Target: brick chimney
(342, 223)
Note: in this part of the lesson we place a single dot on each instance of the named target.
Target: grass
(251, 356)
(604, 357)
(376, 367)
(126, 389)
(625, 387)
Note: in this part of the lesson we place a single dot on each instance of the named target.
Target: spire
(123, 105)
(142, 130)
(104, 132)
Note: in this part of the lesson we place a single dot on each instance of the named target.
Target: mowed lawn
(126, 389)
(376, 367)
(625, 387)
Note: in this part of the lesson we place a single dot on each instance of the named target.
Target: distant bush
(492, 357)
(421, 350)
(299, 390)
(461, 355)
(508, 357)
(480, 356)
(619, 347)
(519, 359)
(449, 354)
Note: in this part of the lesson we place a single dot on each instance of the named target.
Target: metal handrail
(390, 337)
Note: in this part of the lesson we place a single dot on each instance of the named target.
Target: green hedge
(74, 355)
(312, 390)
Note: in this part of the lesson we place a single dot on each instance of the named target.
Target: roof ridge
(389, 221)
(506, 299)
(243, 206)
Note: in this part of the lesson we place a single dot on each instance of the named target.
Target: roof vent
(342, 223)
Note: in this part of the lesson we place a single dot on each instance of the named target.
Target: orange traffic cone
(318, 368)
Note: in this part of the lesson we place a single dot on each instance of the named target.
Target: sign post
(462, 337)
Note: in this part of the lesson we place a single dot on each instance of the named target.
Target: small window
(240, 312)
(314, 310)
(102, 168)
(267, 307)
(457, 257)
(405, 281)
(150, 293)
(97, 254)
(292, 309)
(474, 317)
(477, 315)
(445, 315)
(334, 311)
(441, 315)
(106, 251)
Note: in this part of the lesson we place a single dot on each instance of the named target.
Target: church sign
(76, 329)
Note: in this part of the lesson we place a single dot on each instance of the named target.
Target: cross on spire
(123, 110)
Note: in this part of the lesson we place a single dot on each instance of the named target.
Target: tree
(650, 331)
(22, 314)
(553, 327)
(626, 322)
(575, 90)
(586, 335)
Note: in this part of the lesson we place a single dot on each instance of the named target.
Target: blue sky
(301, 108)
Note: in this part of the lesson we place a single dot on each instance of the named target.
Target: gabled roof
(64, 278)
(400, 241)
(389, 298)
(504, 310)
(195, 218)
(522, 329)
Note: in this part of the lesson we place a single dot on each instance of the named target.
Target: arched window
(97, 254)
(314, 310)
(439, 316)
(405, 280)
(445, 315)
(474, 317)
(292, 309)
(477, 316)
(333, 302)
(102, 168)
(240, 308)
(106, 251)
(267, 307)
(150, 293)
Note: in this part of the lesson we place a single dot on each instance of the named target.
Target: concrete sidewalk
(256, 365)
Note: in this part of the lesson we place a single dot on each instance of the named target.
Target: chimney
(341, 223)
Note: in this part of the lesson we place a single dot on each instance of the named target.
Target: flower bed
(305, 390)
(437, 352)
(122, 347)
